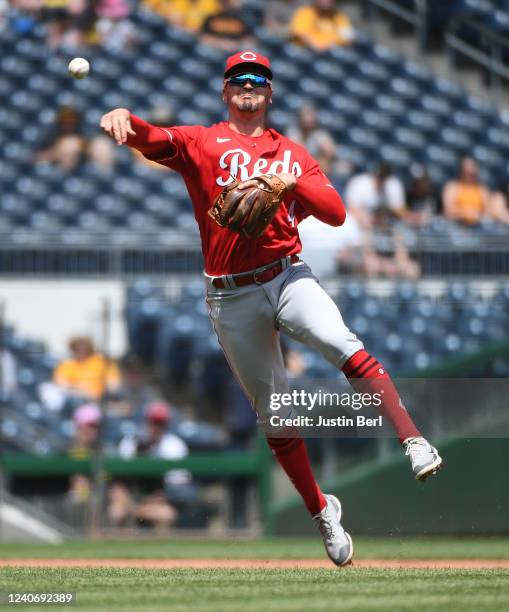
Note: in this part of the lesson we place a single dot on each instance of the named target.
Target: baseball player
(250, 187)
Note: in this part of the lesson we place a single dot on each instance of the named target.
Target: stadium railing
(493, 59)
(253, 465)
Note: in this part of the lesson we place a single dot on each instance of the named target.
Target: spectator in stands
(320, 144)
(374, 197)
(465, 199)
(23, 15)
(498, 208)
(153, 505)
(278, 15)
(421, 196)
(134, 393)
(309, 134)
(227, 29)
(71, 23)
(115, 31)
(64, 144)
(87, 419)
(321, 26)
(349, 249)
(295, 364)
(187, 14)
(100, 154)
(87, 373)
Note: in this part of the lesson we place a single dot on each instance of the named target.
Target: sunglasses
(256, 80)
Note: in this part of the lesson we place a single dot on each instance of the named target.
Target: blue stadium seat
(393, 105)
(468, 121)
(333, 122)
(363, 139)
(436, 104)
(317, 88)
(93, 222)
(361, 89)
(404, 88)
(375, 72)
(377, 121)
(178, 86)
(164, 51)
(347, 57)
(44, 221)
(423, 121)
(332, 72)
(346, 105)
(409, 138)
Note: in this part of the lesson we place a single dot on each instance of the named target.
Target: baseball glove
(249, 211)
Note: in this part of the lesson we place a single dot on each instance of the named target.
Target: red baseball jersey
(209, 158)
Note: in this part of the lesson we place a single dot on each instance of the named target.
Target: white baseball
(79, 68)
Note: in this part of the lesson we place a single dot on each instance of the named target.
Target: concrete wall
(470, 495)
(54, 310)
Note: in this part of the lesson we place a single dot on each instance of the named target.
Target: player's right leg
(244, 323)
(308, 314)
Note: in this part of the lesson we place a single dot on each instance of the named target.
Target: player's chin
(248, 106)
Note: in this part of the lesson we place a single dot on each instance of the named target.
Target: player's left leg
(308, 314)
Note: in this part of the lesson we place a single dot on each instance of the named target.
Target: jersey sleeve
(315, 195)
(176, 147)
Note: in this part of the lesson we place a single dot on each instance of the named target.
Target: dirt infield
(474, 564)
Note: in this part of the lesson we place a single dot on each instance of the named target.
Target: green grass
(229, 590)
(267, 590)
(273, 548)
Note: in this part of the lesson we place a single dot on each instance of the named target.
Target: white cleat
(424, 457)
(338, 542)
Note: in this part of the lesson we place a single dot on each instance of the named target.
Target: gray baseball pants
(248, 320)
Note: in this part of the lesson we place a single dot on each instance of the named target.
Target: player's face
(247, 96)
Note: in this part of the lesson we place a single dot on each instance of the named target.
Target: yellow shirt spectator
(87, 373)
(321, 29)
(188, 14)
(466, 199)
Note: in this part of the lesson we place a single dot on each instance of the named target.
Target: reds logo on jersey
(237, 161)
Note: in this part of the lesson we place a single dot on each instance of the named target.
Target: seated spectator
(498, 208)
(100, 154)
(309, 134)
(87, 419)
(87, 373)
(295, 364)
(321, 26)
(320, 145)
(187, 14)
(64, 145)
(22, 15)
(115, 31)
(349, 249)
(277, 17)
(421, 197)
(151, 503)
(374, 197)
(134, 393)
(227, 29)
(465, 199)
(71, 23)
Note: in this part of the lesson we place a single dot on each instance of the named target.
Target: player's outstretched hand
(117, 123)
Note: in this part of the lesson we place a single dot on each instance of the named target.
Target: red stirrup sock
(292, 456)
(367, 375)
